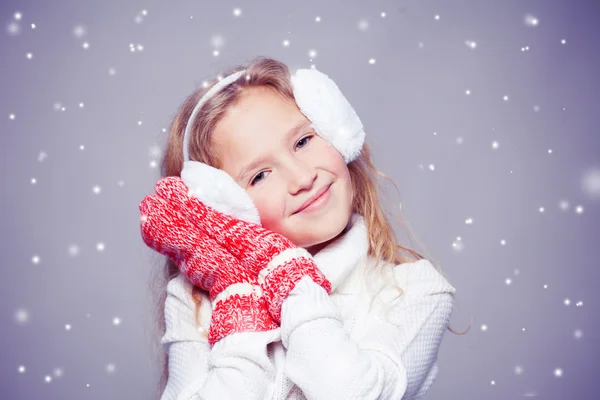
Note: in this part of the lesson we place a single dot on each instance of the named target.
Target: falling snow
(79, 31)
(497, 168)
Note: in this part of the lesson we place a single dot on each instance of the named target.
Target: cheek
(337, 165)
(342, 173)
(345, 182)
(335, 160)
(271, 210)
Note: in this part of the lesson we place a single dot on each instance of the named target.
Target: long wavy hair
(271, 73)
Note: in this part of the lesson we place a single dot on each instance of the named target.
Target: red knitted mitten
(278, 263)
(238, 305)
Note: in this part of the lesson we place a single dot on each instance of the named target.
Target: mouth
(316, 201)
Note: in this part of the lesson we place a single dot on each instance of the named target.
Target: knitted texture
(282, 274)
(236, 295)
(325, 355)
(252, 244)
(318, 351)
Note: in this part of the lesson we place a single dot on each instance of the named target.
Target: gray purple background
(503, 191)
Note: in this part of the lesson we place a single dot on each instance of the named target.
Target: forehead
(252, 125)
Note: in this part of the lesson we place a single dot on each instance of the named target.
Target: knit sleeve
(237, 367)
(391, 358)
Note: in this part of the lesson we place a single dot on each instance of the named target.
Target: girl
(295, 298)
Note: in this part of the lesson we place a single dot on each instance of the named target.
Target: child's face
(293, 168)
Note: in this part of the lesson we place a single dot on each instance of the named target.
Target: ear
(215, 188)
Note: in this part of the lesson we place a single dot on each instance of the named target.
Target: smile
(317, 203)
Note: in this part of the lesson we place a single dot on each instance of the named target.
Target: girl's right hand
(277, 262)
(236, 296)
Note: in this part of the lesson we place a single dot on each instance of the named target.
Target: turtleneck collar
(341, 256)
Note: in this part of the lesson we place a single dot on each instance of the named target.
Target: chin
(312, 235)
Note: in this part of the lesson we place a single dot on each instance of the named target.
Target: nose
(301, 176)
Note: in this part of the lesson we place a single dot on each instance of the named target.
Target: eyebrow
(292, 132)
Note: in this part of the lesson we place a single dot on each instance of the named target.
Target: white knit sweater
(328, 346)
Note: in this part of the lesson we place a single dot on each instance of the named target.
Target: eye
(253, 181)
(304, 140)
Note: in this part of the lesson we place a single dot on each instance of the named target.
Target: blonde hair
(267, 72)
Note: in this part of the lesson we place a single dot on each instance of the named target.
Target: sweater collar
(341, 255)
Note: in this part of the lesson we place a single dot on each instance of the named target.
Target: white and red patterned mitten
(277, 262)
(237, 302)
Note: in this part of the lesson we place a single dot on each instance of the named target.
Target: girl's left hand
(278, 263)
